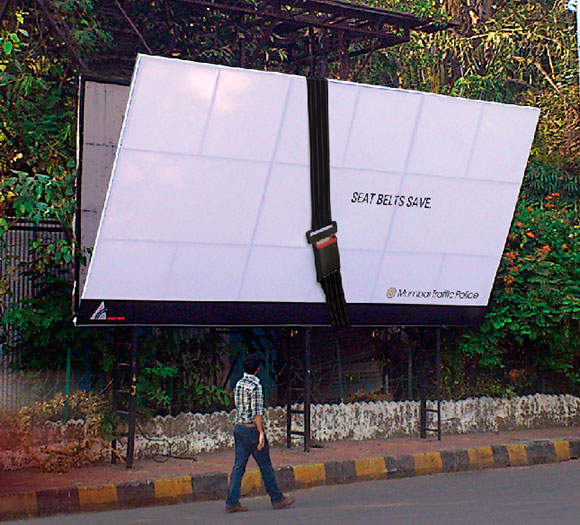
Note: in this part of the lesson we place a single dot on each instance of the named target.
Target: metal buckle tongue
(325, 246)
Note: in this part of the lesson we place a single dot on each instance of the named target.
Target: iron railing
(16, 256)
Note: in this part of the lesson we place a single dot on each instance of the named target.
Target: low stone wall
(57, 436)
(194, 433)
(188, 434)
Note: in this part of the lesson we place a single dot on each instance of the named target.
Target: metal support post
(132, 401)
(288, 391)
(304, 389)
(410, 374)
(266, 375)
(430, 387)
(115, 407)
(67, 384)
(422, 395)
(438, 380)
(339, 367)
(307, 386)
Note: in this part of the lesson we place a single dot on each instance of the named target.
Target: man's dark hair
(252, 363)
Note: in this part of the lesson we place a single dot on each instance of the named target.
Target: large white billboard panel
(157, 122)
(383, 124)
(209, 200)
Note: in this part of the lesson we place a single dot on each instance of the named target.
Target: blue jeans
(246, 441)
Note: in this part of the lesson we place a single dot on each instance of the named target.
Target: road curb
(212, 486)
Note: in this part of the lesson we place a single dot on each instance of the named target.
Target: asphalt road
(546, 494)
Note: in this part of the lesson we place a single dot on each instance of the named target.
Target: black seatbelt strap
(322, 236)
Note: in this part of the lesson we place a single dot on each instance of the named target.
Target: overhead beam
(317, 30)
(310, 20)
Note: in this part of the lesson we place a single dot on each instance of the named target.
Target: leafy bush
(533, 320)
(27, 425)
(182, 370)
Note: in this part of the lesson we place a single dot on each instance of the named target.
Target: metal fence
(16, 255)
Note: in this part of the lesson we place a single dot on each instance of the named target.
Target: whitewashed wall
(195, 433)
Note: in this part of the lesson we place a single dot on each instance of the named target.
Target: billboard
(206, 212)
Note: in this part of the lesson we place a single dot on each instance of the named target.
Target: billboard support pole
(438, 380)
(304, 389)
(307, 387)
(339, 370)
(288, 388)
(125, 392)
(132, 400)
(410, 373)
(422, 395)
(430, 388)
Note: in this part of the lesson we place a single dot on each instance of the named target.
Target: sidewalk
(31, 492)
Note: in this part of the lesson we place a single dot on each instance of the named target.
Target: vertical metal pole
(410, 373)
(214, 350)
(116, 380)
(132, 402)
(339, 366)
(422, 395)
(267, 377)
(289, 390)
(67, 383)
(438, 379)
(307, 392)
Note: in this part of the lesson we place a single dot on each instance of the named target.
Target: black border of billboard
(230, 313)
(78, 191)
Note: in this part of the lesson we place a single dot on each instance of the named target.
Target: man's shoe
(286, 502)
(236, 508)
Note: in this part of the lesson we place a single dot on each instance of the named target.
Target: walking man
(250, 438)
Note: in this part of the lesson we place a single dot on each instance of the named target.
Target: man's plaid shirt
(248, 398)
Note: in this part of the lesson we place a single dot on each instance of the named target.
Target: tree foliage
(182, 369)
(38, 86)
(531, 329)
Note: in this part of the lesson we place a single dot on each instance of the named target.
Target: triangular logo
(100, 313)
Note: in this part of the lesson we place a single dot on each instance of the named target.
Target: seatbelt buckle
(325, 246)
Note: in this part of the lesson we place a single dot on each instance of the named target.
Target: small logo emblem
(100, 313)
(391, 292)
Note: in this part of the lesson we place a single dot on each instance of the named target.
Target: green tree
(38, 85)
(534, 315)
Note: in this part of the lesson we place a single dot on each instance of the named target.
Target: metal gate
(16, 251)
